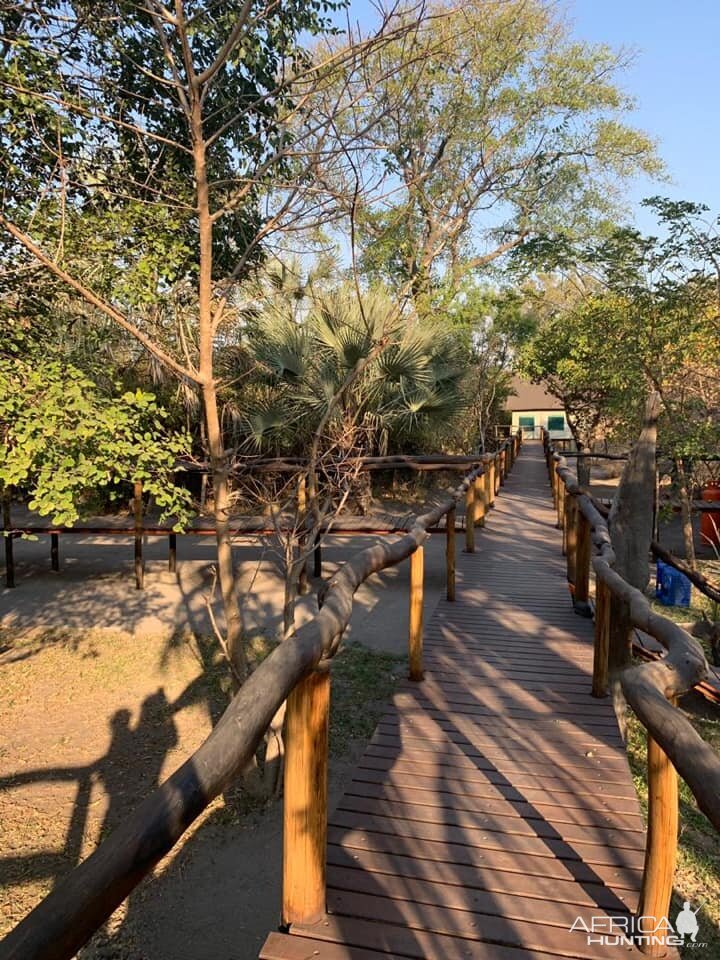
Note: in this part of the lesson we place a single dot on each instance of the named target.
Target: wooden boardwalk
(494, 805)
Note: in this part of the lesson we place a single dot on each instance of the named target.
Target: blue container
(672, 588)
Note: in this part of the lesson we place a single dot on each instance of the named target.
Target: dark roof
(530, 396)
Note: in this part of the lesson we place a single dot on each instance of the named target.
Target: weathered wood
(8, 540)
(305, 799)
(496, 476)
(303, 585)
(583, 550)
(450, 553)
(502, 466)
(561, 512)
(648, 687)
(85, 898)
(661, 843)
(570, 534)
(415, 652)
(54, 552)
(488, 485)
(602, 640)
(479, 501)
(172, 552)
(470, 519)
(138, 512)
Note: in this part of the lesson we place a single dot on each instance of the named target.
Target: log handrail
(652, 690)
(66, 919)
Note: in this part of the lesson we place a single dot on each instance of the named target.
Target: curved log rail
(652, 690)
(296, 671)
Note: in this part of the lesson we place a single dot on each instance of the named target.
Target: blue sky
(675, 80)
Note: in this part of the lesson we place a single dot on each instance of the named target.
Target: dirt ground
(94, 718)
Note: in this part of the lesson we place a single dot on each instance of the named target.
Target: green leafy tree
(495, 127)
(148, 157)
(60, 438)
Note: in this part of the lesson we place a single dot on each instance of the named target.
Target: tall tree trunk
(685, 512)
(216, 448)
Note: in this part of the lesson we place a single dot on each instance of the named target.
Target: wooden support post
(490, 482)
(502, 471)
(561, 507)
(416, 614)
(479, 507)
(660, 846)
(571, 512)
(317, 557)
(496, 475)
(55, 552)
(138, 511)
(583, 549)
(8, 538)
(305, 803)
(172, 552)
(450, 552)
(470, 519)
(602, 640)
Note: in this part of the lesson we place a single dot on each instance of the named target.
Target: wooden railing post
(583, 550)
(55, 552)
(602, 639)
(561, 508)
(487, 485)
(138, 513)
(660, 846)
(496, 475)
(490, 467)
(470, 519)
(416, 614)
(450, 552)
(305, 802)
(571, 512)
(479, 498)
(502, 461)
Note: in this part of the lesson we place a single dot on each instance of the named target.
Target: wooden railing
(651, 689)
(296, 671)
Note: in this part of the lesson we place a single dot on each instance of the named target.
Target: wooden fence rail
(652, 690)
(296, 671)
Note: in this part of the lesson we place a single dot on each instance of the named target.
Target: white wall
(541, 420)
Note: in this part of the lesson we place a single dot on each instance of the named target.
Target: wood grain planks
(494, 804)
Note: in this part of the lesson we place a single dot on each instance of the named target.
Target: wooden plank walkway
(494, 805)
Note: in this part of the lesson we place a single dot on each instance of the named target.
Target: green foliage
(60, 438)
(636, 314)
(410, 381)
(490, 106)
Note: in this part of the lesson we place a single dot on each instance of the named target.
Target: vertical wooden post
(172, 552)
(55, 552)
(317, 557)
(488, 484)
(502, 472)
(8, 538)
(602, 639)
(571, 511)
(496, 475)
(305, 803)
(470, 519)
(661, 843)
(561, 506)
(138, 511)
(479, 495)
(583, 546)
(450, 552)
(416, 614)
